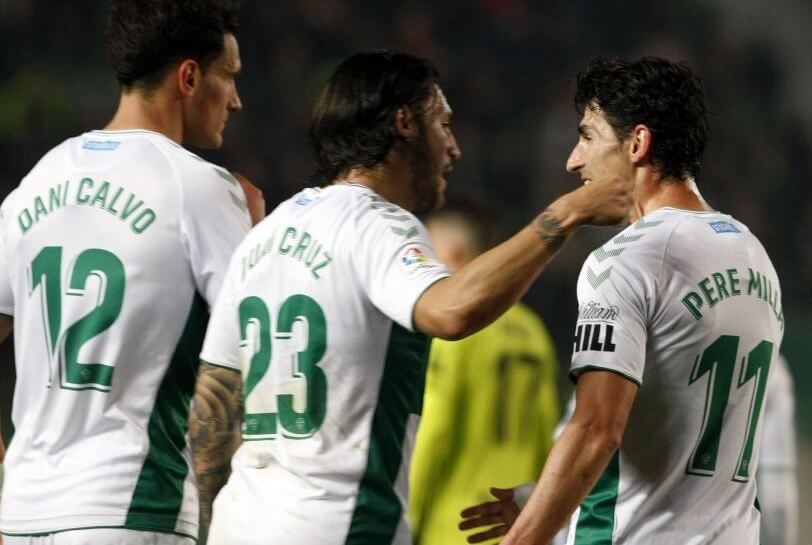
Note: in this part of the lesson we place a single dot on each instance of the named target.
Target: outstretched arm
(214, 431)
(483, 289)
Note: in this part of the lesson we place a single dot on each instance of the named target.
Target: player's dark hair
(666, 97)
(146, 37)
(353, 120)
(477, 218)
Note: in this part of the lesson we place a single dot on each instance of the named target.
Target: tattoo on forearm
(552, 234)
(214, 432)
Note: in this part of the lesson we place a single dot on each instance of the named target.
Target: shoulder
(637, 250)
(55, 157)
(373, 218)
(376, 212)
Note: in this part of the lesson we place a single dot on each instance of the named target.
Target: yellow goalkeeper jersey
(489, 412)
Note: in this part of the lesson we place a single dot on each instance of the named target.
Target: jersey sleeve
(221, 345)
(6, 294)
(396, 262)
(214, 220)
(615, 291)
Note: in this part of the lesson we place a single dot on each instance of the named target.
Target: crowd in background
(507, 67)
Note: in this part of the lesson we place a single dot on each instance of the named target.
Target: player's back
(320, 294)
(695, 297)
(108, 283)
(490, 409)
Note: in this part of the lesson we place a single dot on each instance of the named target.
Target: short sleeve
(396, 262)
(214, 221)
(6, 294)
(222, 343)
(614, 293)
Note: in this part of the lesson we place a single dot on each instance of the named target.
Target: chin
(205, 141)
(440, 201)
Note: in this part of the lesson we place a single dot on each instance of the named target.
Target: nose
(453, 149)
(575, 161)
(235, 104)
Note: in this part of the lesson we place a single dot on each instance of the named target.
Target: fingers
(503, 493)
(609, 200)
(254, 197)
(484, 520)
(496, 531)
(488, 508)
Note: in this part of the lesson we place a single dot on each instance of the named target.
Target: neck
(391, 179)
(155, 111)
(653, 193)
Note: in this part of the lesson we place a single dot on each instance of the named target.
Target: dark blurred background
(508, 68)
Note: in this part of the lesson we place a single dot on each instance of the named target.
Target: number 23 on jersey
(293, 398)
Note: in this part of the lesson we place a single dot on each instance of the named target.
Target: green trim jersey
(316, 312)
(688, 306)
(488, 417)
(112, 248)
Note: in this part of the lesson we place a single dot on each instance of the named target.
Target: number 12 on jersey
(718, 361)
(46, 274)
(300, 372)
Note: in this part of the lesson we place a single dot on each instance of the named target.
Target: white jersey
(777, 466)
(688, 306)
(316, 312)
(111, 249)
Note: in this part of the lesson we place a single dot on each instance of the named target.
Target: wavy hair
(666, 97)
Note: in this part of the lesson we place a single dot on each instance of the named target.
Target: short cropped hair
(353, 119)
(146, 37)
(667, 97)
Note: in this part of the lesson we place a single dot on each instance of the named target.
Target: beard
(425, 184)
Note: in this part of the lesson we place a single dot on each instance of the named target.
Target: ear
(188, 77)
(406, 123)
(640, 143)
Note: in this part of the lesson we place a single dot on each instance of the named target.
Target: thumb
(505, 494)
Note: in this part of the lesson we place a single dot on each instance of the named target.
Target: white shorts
(100, 536)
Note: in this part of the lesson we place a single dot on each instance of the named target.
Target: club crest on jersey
(413, 258)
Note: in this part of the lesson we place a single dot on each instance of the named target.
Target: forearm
(486, 287)
(572, 469)
(214, 431)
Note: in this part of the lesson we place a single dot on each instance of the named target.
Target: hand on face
(606, 200)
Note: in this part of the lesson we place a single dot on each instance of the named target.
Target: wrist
(569, 213)
(555, 225)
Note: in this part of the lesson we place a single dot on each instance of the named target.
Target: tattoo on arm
(214, 432)
(551, 232)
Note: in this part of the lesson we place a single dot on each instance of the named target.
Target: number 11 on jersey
(718, 361)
